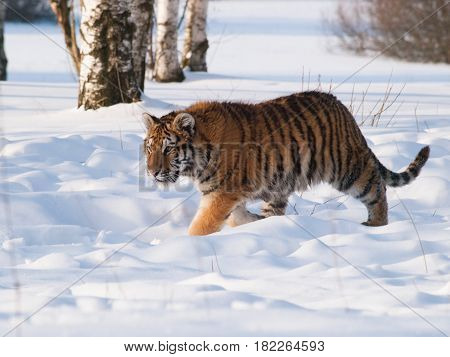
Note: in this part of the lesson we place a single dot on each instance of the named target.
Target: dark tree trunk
(3, 60)
(150, 45)
(63, 10)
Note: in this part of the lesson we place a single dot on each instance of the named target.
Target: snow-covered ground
(70, 197)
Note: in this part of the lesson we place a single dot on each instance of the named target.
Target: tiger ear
(185, 123)
(149, 120)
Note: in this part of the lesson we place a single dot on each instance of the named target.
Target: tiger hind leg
(240, 215)
(372, 194)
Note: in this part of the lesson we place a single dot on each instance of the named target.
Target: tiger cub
(236, 152)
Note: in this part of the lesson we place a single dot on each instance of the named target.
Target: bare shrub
(412, 30)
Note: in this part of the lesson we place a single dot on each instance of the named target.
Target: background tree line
(113, 50)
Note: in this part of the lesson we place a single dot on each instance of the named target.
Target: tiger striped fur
(237, 152)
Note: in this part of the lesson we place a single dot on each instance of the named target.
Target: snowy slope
(77, 221)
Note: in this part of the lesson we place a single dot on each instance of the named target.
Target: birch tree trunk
(106, 71)
(3, 60)
(150, 46)
(63, 10)
(195, 39)
(141, 16)
(167, 66)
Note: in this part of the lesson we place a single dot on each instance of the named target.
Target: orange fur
(237, 152)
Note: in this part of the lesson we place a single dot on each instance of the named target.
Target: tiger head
(168, 146)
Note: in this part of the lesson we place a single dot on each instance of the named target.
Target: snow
(78, 222)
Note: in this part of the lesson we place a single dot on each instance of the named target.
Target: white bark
(141, 13)
(167, 66)
(106, 71)
(3, 60)
(195, 38)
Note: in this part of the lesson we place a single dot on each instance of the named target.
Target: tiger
(237, 152)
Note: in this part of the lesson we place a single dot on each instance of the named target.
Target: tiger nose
(155, 172)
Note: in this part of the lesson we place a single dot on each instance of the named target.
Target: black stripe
(309, 138)
(221, 182)
(349, 179)
(277, 204)
(312, 146)
(295, 108)
(258, 164)
(295, 154)
(405, 177)
(193, 150)
(211, 170)
(372, 203)
(268, 127)
(383, 170)
(394, 178)
(277, 119)
(350, 153)
(271, 147)
(280, 164)
(208, 150)
(229, 107)
(293, 145)
(368, 186)
(250, 117)
(208, 177)
(266, 169)
(331, 121)
(338, 144)
(243, 165)
(414, 171)
(244, 116)
(323, 133)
